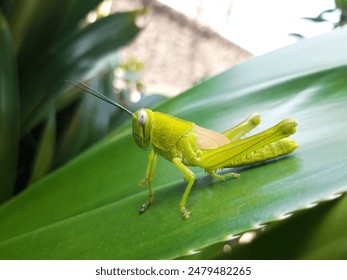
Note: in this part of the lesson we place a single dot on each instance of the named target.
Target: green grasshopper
(186, 144)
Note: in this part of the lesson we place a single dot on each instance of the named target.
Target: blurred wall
(176, 50)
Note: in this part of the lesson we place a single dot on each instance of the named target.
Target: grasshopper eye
(142, 117)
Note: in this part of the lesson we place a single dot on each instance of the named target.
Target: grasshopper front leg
(152, 161)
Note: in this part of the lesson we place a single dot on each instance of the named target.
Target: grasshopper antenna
(97, 94)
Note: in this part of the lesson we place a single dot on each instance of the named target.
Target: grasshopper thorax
(142, 125)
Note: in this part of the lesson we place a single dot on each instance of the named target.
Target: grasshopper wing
(208, 139)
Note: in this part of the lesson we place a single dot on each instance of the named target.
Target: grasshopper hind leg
(264, 145)
(236, 132)
(224, 176)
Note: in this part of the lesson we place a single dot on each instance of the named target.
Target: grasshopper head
(142, 125)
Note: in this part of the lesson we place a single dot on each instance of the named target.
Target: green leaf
(45, 150)
(73, 59)
(323, 243)
(9, 110)
(341, 4)
(88, 208)
(76, 11)
(319, 233)
(32, 23)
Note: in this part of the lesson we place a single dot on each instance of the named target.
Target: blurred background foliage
(340, 9)
(44, 122)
